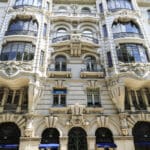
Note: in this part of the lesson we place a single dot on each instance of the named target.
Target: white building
(74, 75)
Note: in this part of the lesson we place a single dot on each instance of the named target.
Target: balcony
(26, 5)
(63, 73)
(85, 39)
(21, 32)
(56, 15)
(96, 73)
(127, 34)
(119, 9)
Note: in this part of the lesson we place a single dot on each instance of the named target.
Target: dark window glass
(132, 53)
(42, 58)
(105, 33)
(19, 51)
(109, 58)
(90, 63)
(60, 63)
(101, 8)
(45, 29)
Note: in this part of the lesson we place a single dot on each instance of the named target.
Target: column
(20, 100)
(91, 142)
(145, 99)
(130, 101)
(63, 143)
(4, 99)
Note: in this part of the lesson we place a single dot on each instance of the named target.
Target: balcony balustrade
(92, 73)
(26, 5)
(127, 34)
(119, 9)
(55, 72)
(61, 38)
(21, 32)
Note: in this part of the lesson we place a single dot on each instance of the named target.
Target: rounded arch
(90, 54)
(141, 134)
(62, 9)
(62, 54)
(77, 139)
(89, 26)
(85, 10)
(65, 25)
(10, 135)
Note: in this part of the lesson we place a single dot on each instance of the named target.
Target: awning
(142, 143)
(12, 146)
(106, 145)
(49, 146)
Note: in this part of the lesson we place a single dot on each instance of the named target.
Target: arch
(50, 139)
(86, 10)
(141, 134)
(104, 138)
(77, 139)
(61, 31)
(62, 9)
(87, 32)
(9, 136)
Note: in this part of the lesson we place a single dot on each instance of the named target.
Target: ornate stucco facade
(75, 64)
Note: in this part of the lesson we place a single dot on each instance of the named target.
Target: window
(77, 139)
(61, 32)
(9, 136)
(50, 139)
(18, 51)
(47, 5)
(137, 99)
(60, 63)
(88, 33)
(148, 14)
(129, 53)
(101, 8)
(105, 33)
(141, 134)
(62, 9)
(93, 97)
(104, 139)
(36, 3)
(59, 97)
(114, 5)
(85, 10)
(109, 58)
(45, 29)
(42, 58)
(90, 63)
(23, 26)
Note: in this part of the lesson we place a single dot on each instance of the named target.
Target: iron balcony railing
(26, 5)
(61, 38)
(21, 32)
(89, 38)
(92, 70)
(127, 34)
(57, 69)
(118, 9)
(98, 104)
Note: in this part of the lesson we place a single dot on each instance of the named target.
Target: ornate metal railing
(89, 38)
(98, 104)
(61, 38)
(118, 9)
(127, 34)
(26, 5)
(56, 69)
(21, 32)
(92, 70)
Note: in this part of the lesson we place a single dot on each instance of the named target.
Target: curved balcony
(21, 32)
(127, 34)
(119, 9)
(26, 5)
(59, 73)
(56, 15)
(87, 40)
(93, 73)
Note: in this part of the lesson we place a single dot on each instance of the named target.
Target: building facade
(75, 75)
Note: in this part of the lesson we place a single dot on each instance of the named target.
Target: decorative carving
(140, 69)
(29, 131)
(12, 68)
(117, 92)
(51, 121)
(77, 116)
(102, 121)
(59, 84)
(92, 83)
(124, 124)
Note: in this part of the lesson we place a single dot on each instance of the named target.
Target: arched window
(35, 3)
(77, 139)
(9, 136)
(130, 52)
(61, 32)
(18, 51)
(85, 10)
(90, 63)
(114, 5)
(50, 139)
(123, 29)
(23, 26)
(104, 138)
(60, 63)
(141, 134)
